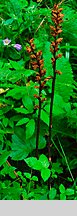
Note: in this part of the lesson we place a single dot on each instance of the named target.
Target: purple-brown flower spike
(56, 29)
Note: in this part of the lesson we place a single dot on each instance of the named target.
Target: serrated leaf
(45, 174)
(19, 148)
(52, 193)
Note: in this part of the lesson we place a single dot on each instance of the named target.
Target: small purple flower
(6, 42)
(18, 46)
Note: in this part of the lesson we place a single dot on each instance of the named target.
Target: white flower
(6, 42)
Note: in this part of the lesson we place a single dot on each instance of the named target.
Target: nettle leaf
(19, 149)
(52, 193)
(44, 161)
(69, 191)
(28, 103)
(4, 156)
(45, 174)
(30, 128)
(8, 170)
(33, 163)
(64, 82)
(22, 121)
(62, 188)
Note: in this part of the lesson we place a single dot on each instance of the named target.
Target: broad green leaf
(52, 193)
(34, 178)
(17, 92)
(62, 196)
(44, 161)
(64, 82)
(28, 103)
(22, 121)
(21, 110)
(45, 117)
(33, 163)
(5, 121)
(62, 188)
(30, 128)
(45, 174)
(19, 148)
(42, 142)
(69, 191)
(28, 175)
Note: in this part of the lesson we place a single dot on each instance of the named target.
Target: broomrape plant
(38, 100)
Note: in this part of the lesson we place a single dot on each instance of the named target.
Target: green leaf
(47, 59)
(62, 188)
(28, 103)
(28, 175)
(5, 121)
(30, 128)
(21, 110)
(44, 161)
(22, 121)
(45, 174)
(34, 178)
(4, 156)
(52, 193)
(56, 168)
(64, 82)
(33, 163)
(62, 196)
(17, 92)
(69, 191)
(19, 148)
(45, 117)
(42, 142)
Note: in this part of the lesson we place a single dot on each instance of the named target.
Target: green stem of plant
(38, 121)
(51, 109)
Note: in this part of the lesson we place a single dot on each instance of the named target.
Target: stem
(38, 122)
(51, 109)
(50, 116)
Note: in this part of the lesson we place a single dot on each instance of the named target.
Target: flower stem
(38, 121)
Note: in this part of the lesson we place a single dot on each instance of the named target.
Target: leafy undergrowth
(22, 175)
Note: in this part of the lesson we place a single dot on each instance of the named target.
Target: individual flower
(6, 42)
(18, 46)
